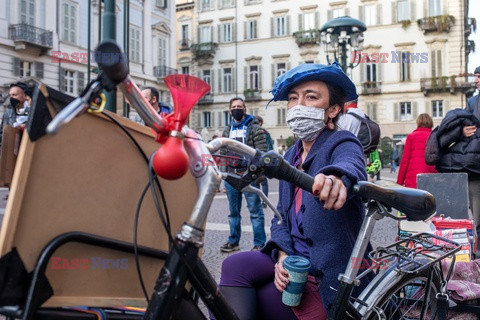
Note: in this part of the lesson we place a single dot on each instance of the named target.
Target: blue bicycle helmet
(332, 74)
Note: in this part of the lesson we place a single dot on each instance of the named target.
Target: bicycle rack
(31, 304)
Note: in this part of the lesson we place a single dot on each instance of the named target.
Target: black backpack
(369, 133)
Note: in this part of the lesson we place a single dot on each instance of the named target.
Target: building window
(72, 82)
(162, 51)
(403, 10)
(253, 77)
(227, 118)
(26, 69)
(436, 63)
(406, 111)
(338, 12)
(308, 21)
(69, 31)
(434, 8)
(207, 119)
(371, 72)
(405, 67)
(226, 32)
(135, 43)
(251, 29)
(205, 5)
(227, 80)
(227, 3)
(185, 70)
(207, 77)
(184, 41)
(280, 26)
(27, 12)
(437, 109)
(162, 4)
(281, 68)
(281, 116)
(205, 34)
(370, 13)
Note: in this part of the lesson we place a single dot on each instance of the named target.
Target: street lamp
(337, 34)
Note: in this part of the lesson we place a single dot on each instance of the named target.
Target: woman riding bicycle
(321, 227)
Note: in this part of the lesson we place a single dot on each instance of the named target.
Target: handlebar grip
(112, 60)
(279, 168)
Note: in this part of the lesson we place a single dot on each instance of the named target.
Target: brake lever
(265, 199)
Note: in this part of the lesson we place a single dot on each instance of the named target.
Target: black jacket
(458, 153)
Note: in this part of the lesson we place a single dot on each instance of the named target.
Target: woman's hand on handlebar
(330, 190)
(281, 275)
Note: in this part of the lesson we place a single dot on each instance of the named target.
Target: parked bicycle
(408, 284)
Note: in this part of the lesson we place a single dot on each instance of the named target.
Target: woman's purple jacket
(330, 234)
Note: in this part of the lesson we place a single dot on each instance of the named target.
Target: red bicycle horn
(171, 160)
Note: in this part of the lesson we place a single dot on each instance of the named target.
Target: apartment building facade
(48, 41)
(241, 46)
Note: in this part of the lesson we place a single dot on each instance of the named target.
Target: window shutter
(279, 116)
(234, 32)
(220, 80)
(273, 73)
(396, 112)
(289, 66)
(414, 109)
(362, 72)
(300, 21)
(245, 30)
(408, 69)
(220, 35)
(199, 120)
(317, 20)
(288, 25)
(439, 63)
(446, 106)
(394, 12)
(211, 34)
(429, 107)
(272, 26)
(360, 13)
(245, 78)
(433, 63)
(260, 78)
(212, 81)
(373, 114)
(80, 82)
(379, 72)
(329, 15)
(39, 70)
(412, 10)
(347, 11)
(234, 80)
(16, 67)
(61, 77)
(379, 14)
(212, 119)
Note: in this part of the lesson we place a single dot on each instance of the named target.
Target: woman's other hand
(281, 275)
(469, 131)
(330, 190)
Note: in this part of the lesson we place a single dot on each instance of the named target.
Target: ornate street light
(340, 34)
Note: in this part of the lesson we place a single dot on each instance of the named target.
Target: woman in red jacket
(413, 158)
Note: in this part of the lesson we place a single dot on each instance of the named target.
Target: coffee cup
(297, 268)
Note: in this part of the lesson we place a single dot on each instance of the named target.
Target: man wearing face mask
(244, 128)
(16, 111)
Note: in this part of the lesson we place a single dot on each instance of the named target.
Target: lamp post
(338, 35)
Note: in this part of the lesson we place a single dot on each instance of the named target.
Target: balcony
(252, 95)
(305, 37)
(184, 44)
(24, 34)
(441, 23)
(206, 99)
(204, 50)
(371, 87)
(163, 71)
(447, 84)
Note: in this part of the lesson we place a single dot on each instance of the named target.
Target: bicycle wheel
(406, 298)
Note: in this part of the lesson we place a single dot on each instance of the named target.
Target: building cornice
(253, 15)
(281, 56)
(185, 6)
(404, 44)
(312, 7)
(226, 61)
(253, 58)
(337, 3)
(226, 18)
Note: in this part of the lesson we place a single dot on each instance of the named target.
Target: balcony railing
(441, 23)
(304, 37)
(163, 71)
(252, 95)
(184, 44)
(206, 99)
(447, 84)
(30, 34)
(204, 50)
(371, 87)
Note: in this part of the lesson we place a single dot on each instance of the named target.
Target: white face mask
(305, 122)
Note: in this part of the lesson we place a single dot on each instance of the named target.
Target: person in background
(320, 225)
(152, 96)
(413, 159)
(244, 128)
(393, 167)
(268, 137)
(16, 112)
